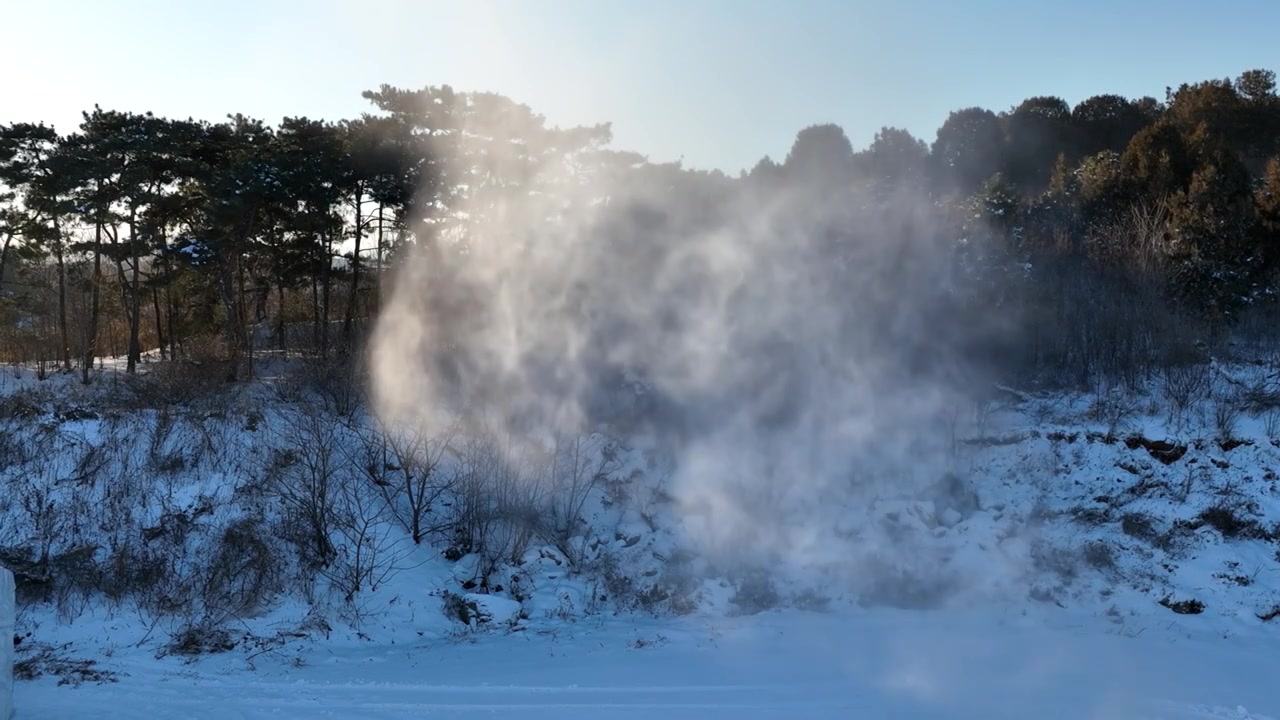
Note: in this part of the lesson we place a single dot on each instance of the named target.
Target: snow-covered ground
(1092, 555)
(876, 664)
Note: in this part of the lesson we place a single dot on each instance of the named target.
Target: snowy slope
(1082, 558)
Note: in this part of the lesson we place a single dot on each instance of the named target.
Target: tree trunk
(172, 317)
(355, 270)
(123, 284)
(91, 347)
(280, 315)
(245, 334)
(227, 288)
(381, 221)
(261, 295)
(155, 304)
(315, 312)
(135, 303)
(4, 254)
(326, 269)
(62, 300)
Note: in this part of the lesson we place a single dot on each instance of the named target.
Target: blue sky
(719, 83)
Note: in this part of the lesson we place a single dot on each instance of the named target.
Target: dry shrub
(167, 580)
(369, 549)
(338, 521)
(673, 592)
(1261, 396)
(182, 383)
(132, 570)
(406, 465)
(16, 447)
(200, 640)
(76, 577)
(498, 500)
(208, 352)
(1116, 408)
(1099, 555)
(26, 404)
(1138, 525)
(1231, 522)
(304, 479)
(1184, 385)
(1271, 424)
(245, 572)
(1226, 416)
(41, 659)
(336, 381)
(578, 465)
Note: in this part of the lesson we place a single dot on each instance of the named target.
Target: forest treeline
(1119, 235)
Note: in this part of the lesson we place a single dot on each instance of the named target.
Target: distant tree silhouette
(820, 154)
(969, 149)
(1107, 122)
(896, 160)
(167, 233)
(1036, 132)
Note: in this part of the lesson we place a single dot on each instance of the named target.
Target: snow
(494, 609)
(1031, 588)
(7, 611)
(875, 663)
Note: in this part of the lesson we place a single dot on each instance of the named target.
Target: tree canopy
(165, 232)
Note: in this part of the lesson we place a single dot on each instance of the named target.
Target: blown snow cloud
(796, 338)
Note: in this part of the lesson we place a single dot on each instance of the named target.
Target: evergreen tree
(1036, 133)
(969, 149)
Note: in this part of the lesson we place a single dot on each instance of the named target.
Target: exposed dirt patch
(1183, 607)
(1091, 515)
(1138, 525)
(1241, 580)
(1231, 523)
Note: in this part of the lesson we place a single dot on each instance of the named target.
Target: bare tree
(405, 464)
(307, 482)
(368, 552)
(578, 465)
(498, 499)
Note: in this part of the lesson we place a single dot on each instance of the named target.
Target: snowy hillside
(254, 551)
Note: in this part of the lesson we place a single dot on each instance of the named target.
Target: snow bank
(6, 644)
(494, 609)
